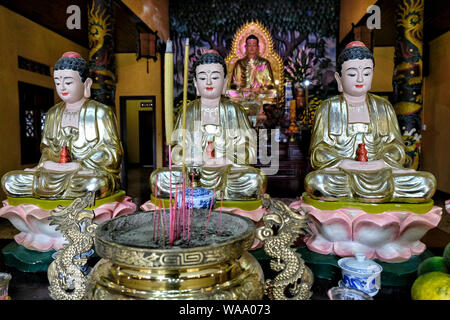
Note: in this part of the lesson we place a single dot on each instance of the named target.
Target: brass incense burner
(131, 269)
(213, 265)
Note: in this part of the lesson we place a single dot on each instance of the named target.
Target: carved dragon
(281, 228)
(66, 273)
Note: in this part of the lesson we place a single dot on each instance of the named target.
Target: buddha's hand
(31, 169)
(352, 165)
(215, 162)
(61, 167)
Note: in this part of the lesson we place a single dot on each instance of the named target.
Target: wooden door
(147, 139)
(34, 102)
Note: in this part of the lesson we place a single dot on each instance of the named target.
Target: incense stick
(165, 221)
(184, 205)
(191, 205)
(156, 201)
(220, 216)
(162, 220)
(210, 207)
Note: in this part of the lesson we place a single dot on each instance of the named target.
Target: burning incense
(165, 222)
(184, 206)
(162, 220)
(191, 204)
(185, 89)
(157, 223)
(220, 215)
(210, 207)
(154, 212)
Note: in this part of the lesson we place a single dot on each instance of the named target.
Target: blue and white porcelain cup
(197, 198)
(361, 274)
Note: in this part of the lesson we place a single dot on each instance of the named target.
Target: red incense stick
(191, 205)
(210, 207)
(165, 221)
(184, 206)
(220, 216)
(154, 212)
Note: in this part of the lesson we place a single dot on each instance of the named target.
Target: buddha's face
(69, 86)
(356, 78)
(252, 48)
(210, 80)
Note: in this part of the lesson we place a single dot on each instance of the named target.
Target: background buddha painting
(300, 27)
(252, 78)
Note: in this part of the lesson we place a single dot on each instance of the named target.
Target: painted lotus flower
(34, 224)
(391, 236)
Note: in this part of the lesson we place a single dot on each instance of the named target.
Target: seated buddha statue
(87, 131)
(219, 141)
(355, 119)
(252, 82)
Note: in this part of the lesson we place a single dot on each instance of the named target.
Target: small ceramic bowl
(198, 198)
(361, 274)
(4, 283)
(344, 293)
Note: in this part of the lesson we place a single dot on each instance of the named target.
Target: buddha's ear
(196, 88)
(87, 88)
(339, 81)
(225, 83)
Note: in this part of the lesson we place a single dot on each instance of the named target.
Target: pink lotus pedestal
(31, 218)
(387, 232)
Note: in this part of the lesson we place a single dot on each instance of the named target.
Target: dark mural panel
(300, 30)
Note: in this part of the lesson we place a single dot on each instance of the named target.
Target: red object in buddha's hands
(210, 149)
(361, 153)
(64, 155)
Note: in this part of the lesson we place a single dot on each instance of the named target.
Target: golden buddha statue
(86, 128)
(357, 117)
(252, 82)
(220, 143)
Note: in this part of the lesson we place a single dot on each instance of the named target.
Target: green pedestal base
(25, 260)
(393, 275)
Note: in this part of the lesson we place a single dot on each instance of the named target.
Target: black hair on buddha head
(73, 61)
(354, 50)
(252, 36)
(209, 57)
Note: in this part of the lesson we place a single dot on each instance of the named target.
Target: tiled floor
(27, 286)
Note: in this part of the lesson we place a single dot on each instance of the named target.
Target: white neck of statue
(76, 105)
(207, 102)
(355, 101)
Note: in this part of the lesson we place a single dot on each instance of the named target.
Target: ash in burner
(138, 230)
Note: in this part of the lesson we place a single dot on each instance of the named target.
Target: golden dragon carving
(66, 276)
(281, 228)
(99, 27)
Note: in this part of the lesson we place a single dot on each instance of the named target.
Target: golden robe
(95, 145)
(334, 139)
(233, 139)
(251, 74)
